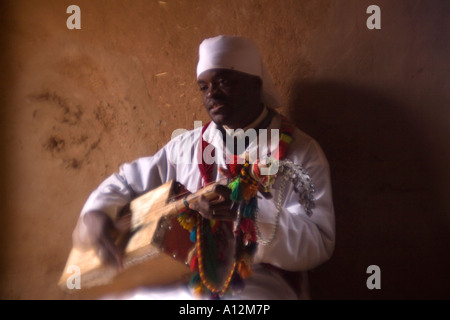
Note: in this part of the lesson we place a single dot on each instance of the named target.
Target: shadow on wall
(6, 77)
(388, 212)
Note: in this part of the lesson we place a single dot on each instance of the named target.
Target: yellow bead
(286, 138)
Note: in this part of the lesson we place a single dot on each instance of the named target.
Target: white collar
(213, 136)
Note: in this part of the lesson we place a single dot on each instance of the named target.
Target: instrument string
(187, 192)
(172, 200)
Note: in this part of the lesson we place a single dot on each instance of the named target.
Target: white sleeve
(140, 176)
(301, 242)
(132, 180)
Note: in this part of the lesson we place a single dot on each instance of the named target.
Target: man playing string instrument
(266, 222)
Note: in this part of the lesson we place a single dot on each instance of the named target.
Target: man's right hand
(101, 233)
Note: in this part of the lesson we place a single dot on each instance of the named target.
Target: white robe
(302, 242)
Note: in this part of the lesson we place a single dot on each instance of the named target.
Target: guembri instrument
(155, 251)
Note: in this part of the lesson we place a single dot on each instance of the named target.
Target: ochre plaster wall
(75, 104)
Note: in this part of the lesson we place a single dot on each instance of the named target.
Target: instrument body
(155, 251)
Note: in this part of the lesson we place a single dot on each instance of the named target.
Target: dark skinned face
(231, 98)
